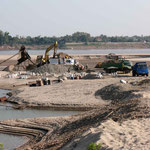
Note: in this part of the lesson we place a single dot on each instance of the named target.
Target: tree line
(77, 37)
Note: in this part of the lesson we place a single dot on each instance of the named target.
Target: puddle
(3, 92)
(6, 113)
(10, 113)
(11, 142)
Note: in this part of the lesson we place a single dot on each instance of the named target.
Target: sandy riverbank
(117, 122)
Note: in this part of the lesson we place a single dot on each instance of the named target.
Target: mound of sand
(120, 134)
(51, 68)
(131, 134)
(144, 82)
(117, 92)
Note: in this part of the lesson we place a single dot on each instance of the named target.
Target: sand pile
(51, 68)
(131, 134)
(144, 82)
(117, 92)
(118, 112)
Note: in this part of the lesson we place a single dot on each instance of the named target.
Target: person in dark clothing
(24, 55)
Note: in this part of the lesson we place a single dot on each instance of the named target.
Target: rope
(8, 58)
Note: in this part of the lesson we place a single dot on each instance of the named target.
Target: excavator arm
(46, 57)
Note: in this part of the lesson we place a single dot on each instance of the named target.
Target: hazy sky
(61, 17)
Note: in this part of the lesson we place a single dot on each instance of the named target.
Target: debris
(144, 82)
(93, 76)
(49, 82)
(9, 94)
(32, 85)
(3, 99)
(123, 81)
(79, 67)
(14, 75)
(99, 75)
(72, 76)
(23, 77)
(39, 83)
(60, 80)
(64, 77)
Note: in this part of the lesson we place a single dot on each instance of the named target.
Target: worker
(86, 67)
(24, 55)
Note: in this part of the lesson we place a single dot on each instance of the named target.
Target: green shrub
(94, 146)
(1, 146)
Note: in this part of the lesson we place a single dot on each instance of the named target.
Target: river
(93, 51)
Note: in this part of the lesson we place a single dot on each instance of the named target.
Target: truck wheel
(108, 71)
(127, 71)
(133, 74)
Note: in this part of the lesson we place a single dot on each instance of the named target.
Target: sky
(64, 17)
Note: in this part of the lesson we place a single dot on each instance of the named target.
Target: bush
(94, 146)
(1, 146)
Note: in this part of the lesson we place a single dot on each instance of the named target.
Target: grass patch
(1, 146)
(94, 146)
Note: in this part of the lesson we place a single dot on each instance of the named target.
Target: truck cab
(140, 68)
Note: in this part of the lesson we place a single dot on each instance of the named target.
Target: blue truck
(140, 68)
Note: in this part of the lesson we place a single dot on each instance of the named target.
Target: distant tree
(1, 38)
(7, 39)
(81, 37)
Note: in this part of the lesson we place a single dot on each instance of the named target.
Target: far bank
(86, 46)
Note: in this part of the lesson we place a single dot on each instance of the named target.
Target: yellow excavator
(60, 58)
(43, 60)
(46, 57)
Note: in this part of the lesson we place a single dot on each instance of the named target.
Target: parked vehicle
(115, 65)
(140, 68)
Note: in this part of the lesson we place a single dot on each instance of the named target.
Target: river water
(6, 112)
(11, 142)
(92, 51)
